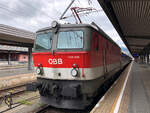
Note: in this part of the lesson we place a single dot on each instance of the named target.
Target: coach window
(70, 40)
(43, 41)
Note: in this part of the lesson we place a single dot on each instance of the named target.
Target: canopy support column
(30, 58)
(9, 58)
(147, 57)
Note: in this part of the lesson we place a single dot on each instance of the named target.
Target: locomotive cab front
(61, 51)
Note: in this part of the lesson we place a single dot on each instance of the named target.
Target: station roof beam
(16, 37)
(131, 18)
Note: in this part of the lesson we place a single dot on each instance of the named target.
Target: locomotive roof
(95, 27)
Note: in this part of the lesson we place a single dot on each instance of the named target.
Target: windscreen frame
(44, 50)
(83, 39)
(87, 34)
(87, 39)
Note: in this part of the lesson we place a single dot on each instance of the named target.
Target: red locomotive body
(72, 62)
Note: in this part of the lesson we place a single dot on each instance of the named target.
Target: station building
(10, 54)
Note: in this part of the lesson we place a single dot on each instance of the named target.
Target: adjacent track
(13, 90)
(7, 94)
(49, 109)
(19, 104)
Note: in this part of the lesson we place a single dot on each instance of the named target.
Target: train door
(105, 58)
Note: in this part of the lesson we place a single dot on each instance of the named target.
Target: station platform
(129, 94)
(16, 80)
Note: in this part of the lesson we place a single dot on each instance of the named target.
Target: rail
(6, 95)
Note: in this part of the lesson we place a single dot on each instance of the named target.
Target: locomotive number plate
(55, 61)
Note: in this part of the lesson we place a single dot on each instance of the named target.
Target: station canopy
(131, 19)
(16, 37)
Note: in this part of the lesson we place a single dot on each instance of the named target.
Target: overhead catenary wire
(20, 12)
(11, 12)
(86, 15)
(85, 18)
(56, 9)
(29, 5)
(99, 10)
(66, 9)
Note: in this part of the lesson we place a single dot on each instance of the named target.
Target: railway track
(17, 104)
(7, 94)
(14, 90)
(49, 109)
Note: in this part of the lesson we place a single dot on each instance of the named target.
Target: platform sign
(135, 55)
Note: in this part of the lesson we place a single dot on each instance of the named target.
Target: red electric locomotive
(72, 61)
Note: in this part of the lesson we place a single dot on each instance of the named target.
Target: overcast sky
(32, 15)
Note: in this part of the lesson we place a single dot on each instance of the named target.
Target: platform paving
(140, 89)
(11, 81)
(136, 96)
(108, 102)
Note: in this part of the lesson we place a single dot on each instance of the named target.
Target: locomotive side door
(104, 58)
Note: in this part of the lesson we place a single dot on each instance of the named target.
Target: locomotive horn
(55, 26)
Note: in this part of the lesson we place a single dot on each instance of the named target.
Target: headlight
(38, 71)
(54, 24)
(74, 72)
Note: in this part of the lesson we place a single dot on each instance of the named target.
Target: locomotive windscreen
(43, 41)
(70, 40)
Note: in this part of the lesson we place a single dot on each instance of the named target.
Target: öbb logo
(55, 61)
